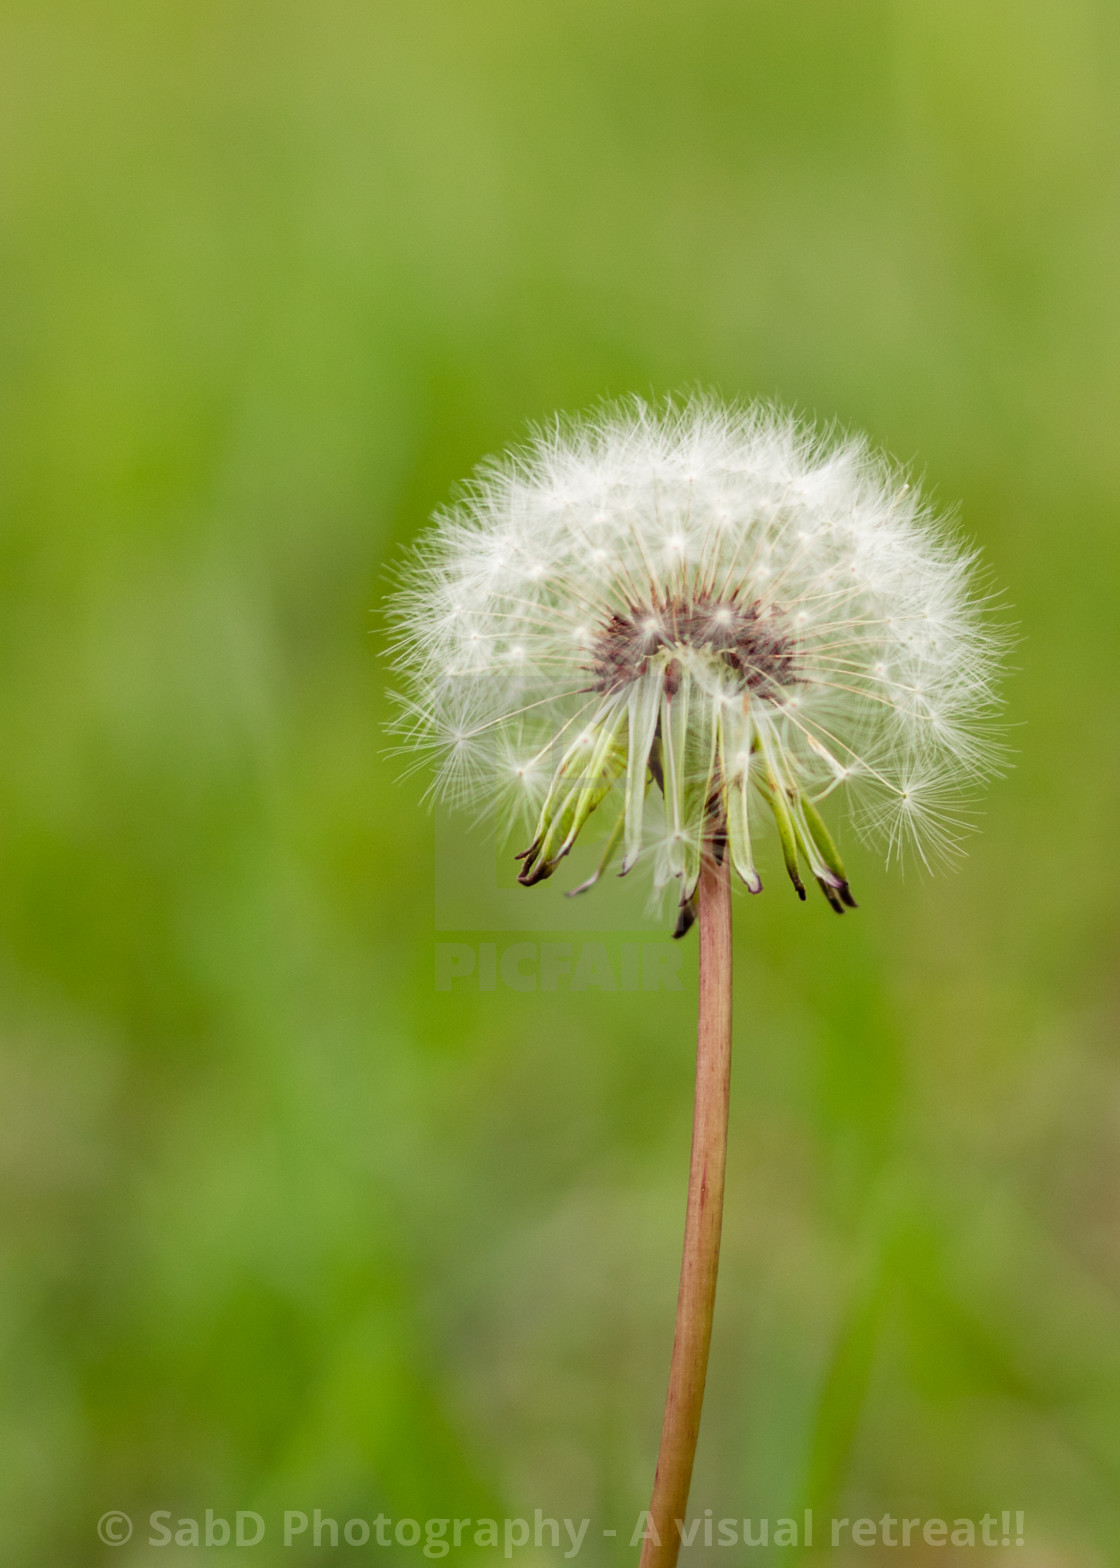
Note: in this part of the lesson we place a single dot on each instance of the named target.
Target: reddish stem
(700, 1263)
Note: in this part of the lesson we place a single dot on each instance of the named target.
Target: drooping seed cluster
(690, 622)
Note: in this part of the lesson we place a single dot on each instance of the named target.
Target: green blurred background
(284, 1226)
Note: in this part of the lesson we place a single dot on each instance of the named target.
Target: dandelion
(714, 608)
(700, 625)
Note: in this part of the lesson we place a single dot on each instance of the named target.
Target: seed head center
(751, 642)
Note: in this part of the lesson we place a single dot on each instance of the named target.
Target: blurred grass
(283, 1226)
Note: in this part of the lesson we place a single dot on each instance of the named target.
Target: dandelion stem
(700, 1263)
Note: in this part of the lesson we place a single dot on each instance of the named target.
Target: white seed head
(714, 607)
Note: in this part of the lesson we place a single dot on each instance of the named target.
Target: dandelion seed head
(688, 613)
